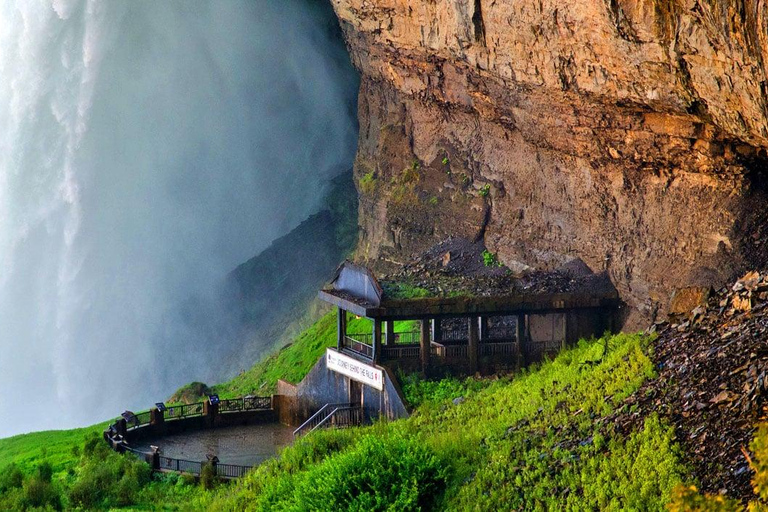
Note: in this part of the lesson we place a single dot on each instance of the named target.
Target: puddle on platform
(244, 446)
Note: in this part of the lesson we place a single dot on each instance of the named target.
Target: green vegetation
(403, 184)
(536, 441)
(490, 259)
(445, 161)
(291, 363)
(485, 190)
(433, 201)
(53, 446)
(89, 475)
(368, 183)
(404, 291)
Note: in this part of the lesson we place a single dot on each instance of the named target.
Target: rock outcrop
(628, 133)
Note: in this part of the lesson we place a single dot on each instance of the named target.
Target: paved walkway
(245, 446)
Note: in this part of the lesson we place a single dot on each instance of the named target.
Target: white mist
(146, 149)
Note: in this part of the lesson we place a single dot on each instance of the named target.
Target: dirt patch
(712, 383)
(458, 266)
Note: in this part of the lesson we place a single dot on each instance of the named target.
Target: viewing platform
(463, 332)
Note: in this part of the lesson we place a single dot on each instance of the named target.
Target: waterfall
(146, 149)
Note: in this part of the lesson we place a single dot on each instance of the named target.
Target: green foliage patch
(368, 183)
(490, 259)
(533, 441)
(404, 291)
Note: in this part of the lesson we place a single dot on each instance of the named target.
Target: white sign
(354, 369)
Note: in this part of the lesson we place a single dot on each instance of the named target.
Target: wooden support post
(437, 331)
(156, 416)
(474, 342)
(341, 328)
(210, 411)
(425, 346)
(484, 334)
(520, 334)
(389, 337)
(376, 340)
(564, 342)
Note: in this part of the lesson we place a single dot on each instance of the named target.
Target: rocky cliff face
(630, 133)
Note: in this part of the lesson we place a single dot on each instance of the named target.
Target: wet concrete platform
(244, 446)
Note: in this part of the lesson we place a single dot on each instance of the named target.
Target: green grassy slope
(54, 446)
(294, 361)
(537, 441)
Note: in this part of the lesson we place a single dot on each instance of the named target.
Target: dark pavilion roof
(357, 290)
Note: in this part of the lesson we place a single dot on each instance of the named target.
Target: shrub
(485, 190)
(45, 471)
(208, 476)
(11, 477)
(378, 474)
(187, 479)
(39, 493)
(105, 478)
(368, 183)
(490, 259)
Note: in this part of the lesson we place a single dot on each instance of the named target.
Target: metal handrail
(313, 420)
(348, 417)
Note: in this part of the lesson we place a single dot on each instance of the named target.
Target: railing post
(473, 344)
(209, 412)
(521, 335)
(389, 337)
(437, 331)
(156, 416)
(376, 356)
(341, 328)
(425, 347)
(155, 458)
(214, 462)
(483, 325)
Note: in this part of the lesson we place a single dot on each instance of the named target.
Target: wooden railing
(498, 349)
(358, 347)
(400, 337)
(162, 463)
(138, 420)
(196, 468)
(407, 338)
(449, 351)
(401, 352)
(184, 411)
(249, 403)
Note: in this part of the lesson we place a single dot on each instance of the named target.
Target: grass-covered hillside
(538, 440)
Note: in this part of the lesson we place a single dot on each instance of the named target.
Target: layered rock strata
(630, 134)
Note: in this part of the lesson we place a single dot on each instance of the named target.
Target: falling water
(146, 149)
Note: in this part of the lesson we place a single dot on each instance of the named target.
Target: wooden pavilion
(463, 334)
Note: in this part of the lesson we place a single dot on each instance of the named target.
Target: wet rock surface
(628, 134)
(712, 383)
(458, 266)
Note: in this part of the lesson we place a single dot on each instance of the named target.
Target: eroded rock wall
(631, 134)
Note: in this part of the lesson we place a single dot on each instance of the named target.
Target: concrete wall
(322, 386)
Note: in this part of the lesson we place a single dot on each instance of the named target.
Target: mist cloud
(146, 149)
